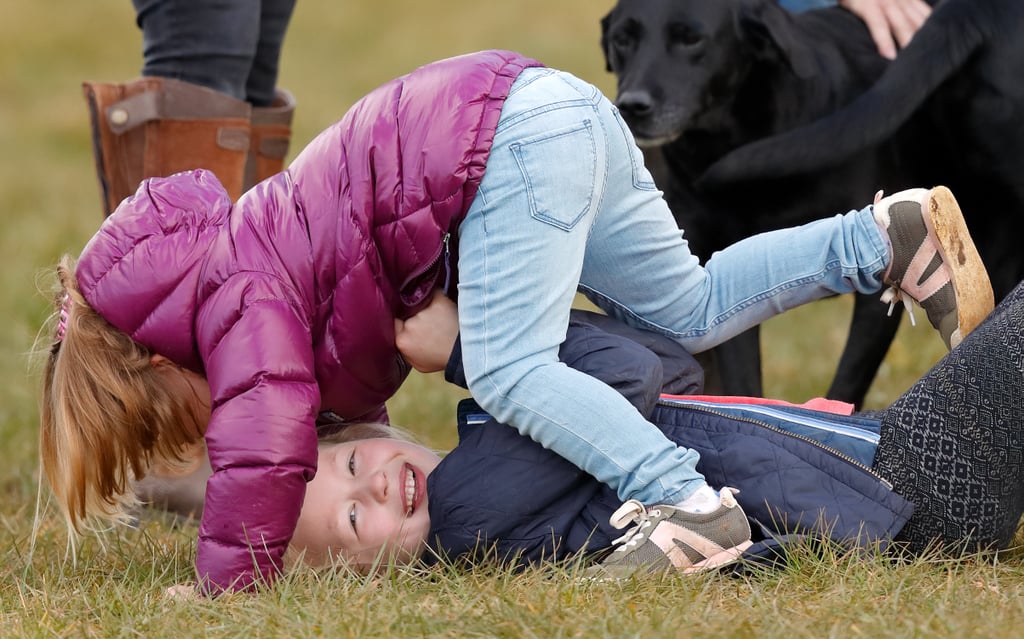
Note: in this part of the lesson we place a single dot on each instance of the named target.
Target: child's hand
(426, 339)
(182, 592)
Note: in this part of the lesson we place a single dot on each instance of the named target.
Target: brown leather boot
(158, 126)
(271, 134)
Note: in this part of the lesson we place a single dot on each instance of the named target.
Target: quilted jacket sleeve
(255, 341)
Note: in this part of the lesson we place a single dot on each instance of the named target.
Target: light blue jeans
(566, 204)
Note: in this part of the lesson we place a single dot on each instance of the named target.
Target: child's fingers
(182, 592)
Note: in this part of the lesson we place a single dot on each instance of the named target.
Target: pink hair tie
(62, 320)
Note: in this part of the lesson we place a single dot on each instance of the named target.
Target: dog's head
(680, 64)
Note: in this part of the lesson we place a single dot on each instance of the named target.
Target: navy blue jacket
(500, 495)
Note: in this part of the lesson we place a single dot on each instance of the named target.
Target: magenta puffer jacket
(286, 300)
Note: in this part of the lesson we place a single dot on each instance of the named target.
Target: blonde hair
(107, 411)
(357, 431)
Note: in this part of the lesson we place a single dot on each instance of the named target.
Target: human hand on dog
(890, 22)
(426, 339)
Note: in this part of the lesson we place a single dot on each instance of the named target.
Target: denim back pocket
(559, 168)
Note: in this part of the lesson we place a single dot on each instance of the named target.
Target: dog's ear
(605, 21)
(768, 29)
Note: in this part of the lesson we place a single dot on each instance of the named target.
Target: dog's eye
(622, 40)
(685, 35)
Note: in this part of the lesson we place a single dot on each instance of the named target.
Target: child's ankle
(705, 499)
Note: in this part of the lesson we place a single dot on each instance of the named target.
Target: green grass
(335, 52)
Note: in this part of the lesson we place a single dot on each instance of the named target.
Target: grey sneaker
(934, 261)
(667, 538)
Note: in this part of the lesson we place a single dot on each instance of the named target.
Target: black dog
(951, 106)
(698, 80)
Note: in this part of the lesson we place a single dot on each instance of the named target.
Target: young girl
(940, 468)
(518, 183)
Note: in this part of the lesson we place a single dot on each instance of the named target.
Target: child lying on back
(378, 496)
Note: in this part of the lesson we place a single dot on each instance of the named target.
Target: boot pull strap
(233, 138)
(275, 148)
(134, 111)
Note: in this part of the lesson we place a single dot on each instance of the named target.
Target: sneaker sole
(724, 558)
(974, 297)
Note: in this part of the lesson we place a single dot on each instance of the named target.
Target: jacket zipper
(447, 264)
(841, 455)
(443, 252)
(770, 412)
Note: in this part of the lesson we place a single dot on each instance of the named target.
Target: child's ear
(156, 359)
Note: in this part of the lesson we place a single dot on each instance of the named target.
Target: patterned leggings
(954, 443)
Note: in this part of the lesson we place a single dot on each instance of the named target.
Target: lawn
(335, 52)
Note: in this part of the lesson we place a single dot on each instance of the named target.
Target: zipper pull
(447, 267)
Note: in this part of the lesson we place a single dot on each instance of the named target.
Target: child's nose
(379, 486)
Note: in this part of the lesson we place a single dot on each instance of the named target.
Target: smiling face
(367, 495)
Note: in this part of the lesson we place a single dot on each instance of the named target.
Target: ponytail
(107, 412)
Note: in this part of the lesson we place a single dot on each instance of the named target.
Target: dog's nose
(634, 104)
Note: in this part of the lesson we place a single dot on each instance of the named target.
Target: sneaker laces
(894, 295)
(631, 512)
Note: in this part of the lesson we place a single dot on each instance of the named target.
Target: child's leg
(740, 287)
(954, 443)
(521, 249)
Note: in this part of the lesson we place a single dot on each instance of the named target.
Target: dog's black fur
(698, 80)
(951, 107)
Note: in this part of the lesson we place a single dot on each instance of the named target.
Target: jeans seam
(866, 220)
(719, 319)
(507, 123)
(636, 168)
(591, 101)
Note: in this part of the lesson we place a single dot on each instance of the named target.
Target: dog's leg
(871, 333)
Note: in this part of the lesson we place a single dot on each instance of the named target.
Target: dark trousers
(232, 46)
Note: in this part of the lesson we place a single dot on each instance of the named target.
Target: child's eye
(352, 462)
(352, 518)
